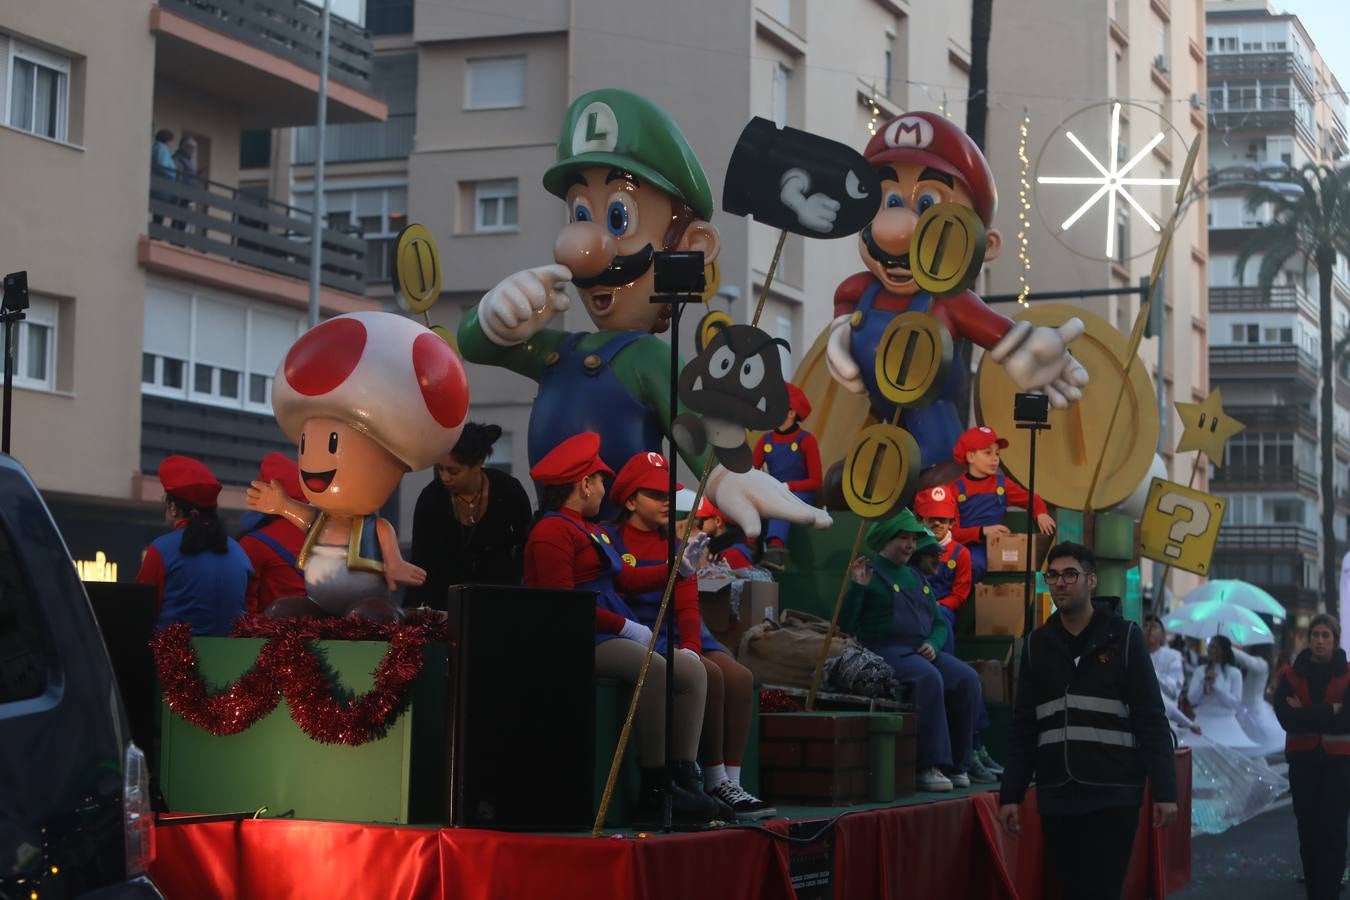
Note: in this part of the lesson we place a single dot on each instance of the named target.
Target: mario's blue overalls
(607, 596)
(941, 582)
(648, 603)
(785, 462)
(981, 509)
(580, 392)
(936, 425)
(946, 690)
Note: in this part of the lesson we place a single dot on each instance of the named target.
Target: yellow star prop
(1208, 427)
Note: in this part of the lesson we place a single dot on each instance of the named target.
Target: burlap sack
(785, 652)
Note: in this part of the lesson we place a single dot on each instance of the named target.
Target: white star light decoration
(1112, 181)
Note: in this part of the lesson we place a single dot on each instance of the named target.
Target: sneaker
(745, 804)
(959, 780)
(932, 780)
(988, 761)
(979, 773)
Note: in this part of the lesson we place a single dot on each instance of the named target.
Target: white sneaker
(933, 780)
(959, 780)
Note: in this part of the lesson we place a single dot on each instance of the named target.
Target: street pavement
(1257, 859)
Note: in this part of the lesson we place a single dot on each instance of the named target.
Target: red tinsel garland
(287, 666)
(776, 701)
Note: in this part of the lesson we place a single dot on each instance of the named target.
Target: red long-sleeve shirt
(558, 555)
(274, 577)
(634, 579)
(806, 446)
(1016, 494)
(965, 315)
(954, 551)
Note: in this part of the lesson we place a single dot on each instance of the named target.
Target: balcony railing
(1261, 360)
(1279, 297)
(392, 139)
(1231, 477)
(1261, 120)
(216, 218)
(1269, 537)
(1276, 418)
(1231, 66)
(290, 29)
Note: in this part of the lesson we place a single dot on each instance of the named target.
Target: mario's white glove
(1037, 359)
(521, 305)
(636, 631)
(747, 497)
(839, 356)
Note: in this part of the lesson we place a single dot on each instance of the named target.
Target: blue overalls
(981, 509)
(935, 426)
(580, 392)
(607, 596)
(941, 582)
(946, 690)
(205, 590)
(786, 463)
(648, 603)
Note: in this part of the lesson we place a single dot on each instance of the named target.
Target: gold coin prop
(913, 359)
(417, 268)
(708, 326)
(881, 462)
(947, 250)
(712, 280)
(1067, 453)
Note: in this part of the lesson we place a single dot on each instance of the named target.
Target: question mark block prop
(1180, 526)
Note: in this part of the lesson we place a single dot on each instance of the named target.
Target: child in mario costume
(984, 494)
(633, 188)
(790, 454)
(727, 543)
(273, 543)
(936, 508)
(923, 160)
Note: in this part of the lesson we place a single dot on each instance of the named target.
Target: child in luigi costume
(894, 612)
(633, 188)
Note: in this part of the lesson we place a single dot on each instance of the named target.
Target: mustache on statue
(881, 256)
(622, 270)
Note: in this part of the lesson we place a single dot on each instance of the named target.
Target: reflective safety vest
(1333, 744)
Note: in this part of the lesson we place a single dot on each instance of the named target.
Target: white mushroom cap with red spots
(382, 374)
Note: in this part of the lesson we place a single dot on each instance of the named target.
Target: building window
(35, 346)
(886, 85)
(376, 213)
(39, 91)
(1244, 333)
(1122, 237)
(1279, 336)
(497, 83)
(781, 77)
(1228, 44)
(494, 205)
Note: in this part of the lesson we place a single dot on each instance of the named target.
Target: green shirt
(643, 368)
(867, 610)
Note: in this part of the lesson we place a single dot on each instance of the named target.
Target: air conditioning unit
(1160, 63)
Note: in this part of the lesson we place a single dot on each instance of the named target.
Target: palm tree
(1310, 219)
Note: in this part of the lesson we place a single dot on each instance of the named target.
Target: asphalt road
(1257, 859)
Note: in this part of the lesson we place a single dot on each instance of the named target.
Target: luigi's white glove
(1037, 359)
(521, 305)
(636, 631)
(748, 497)
(839, 356)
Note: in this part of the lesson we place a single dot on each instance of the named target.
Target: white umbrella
(1210, 617)
(1238, 593)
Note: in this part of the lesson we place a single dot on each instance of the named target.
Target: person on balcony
(162, 165)
(185, 164)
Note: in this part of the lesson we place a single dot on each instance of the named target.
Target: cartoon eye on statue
(633, 188)
(367, 397)
(924, 160)
(735, 384)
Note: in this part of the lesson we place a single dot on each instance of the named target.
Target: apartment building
(1148, 55)
(1272, 103)
(160, 307)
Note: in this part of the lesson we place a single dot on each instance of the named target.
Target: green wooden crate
(1112, 578)
(1070, 526)
(398, 779)
(1113, 536)
(823, 549)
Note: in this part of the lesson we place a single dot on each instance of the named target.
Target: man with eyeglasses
(1089, 727)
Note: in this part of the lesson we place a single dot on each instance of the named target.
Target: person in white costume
(1257, 717)
(1167, 665)
(1216, 696)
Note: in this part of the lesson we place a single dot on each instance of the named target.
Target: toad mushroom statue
(367, 397)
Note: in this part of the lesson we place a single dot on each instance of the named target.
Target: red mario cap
(574, 459)
(644, 472)
(797, 401)
(976, 439)
(707, 511)
(936, 502)
(280, 467)
(928, 139)
(189, 480)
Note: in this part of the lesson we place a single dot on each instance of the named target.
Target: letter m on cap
(909, 131)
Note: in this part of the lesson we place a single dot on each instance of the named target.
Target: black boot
(688, 778)
(687, 807)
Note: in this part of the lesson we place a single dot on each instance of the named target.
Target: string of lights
(1023, 207)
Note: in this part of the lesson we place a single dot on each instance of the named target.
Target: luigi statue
(633, 188)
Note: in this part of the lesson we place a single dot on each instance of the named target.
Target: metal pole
(317, 207)
(668, 806)
(9, 383)
(1159, 570)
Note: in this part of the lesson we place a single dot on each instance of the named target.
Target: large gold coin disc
(913, 359)
(947, 250)
(709, 325)
(712, 280)
(883, 459)
(1067, 453)
(417, 268)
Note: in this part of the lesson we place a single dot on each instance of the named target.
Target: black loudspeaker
(522, 708)
(126, 615)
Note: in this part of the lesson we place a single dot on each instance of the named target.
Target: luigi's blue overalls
(981, 509)
(646, 604)
(936, 425)
(606, 595)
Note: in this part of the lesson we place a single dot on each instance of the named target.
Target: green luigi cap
(612, 127)
(880, 534)
(928, 544)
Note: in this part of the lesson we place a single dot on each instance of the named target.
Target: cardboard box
(1007, 552)
(998, 609)
(993, 679)
(759, 601)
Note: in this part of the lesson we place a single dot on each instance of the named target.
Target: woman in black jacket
(470, 522)
(1308, 703)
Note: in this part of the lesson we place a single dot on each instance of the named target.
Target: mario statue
(633, 188)
(923, 160)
